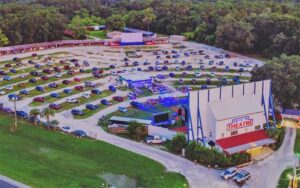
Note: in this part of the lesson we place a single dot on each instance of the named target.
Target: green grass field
(297, 144)
(98, 34)
(284, 178)
(42, 158)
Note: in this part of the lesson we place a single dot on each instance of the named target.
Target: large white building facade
(231, 117)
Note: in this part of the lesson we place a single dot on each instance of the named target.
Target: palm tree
(35, 112)
(149, 17)
(47, 112)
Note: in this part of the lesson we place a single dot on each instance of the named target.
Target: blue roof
(291, 112)
(132, 30)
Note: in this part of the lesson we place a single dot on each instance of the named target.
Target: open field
(73, 162)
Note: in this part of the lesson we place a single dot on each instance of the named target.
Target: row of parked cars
(238, 176)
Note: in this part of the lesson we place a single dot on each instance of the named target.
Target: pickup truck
(155, 139)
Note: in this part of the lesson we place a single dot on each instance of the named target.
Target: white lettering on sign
(239, 123)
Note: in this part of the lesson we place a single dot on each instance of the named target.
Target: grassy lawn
(52, 159)
(98, 34)
(284, 178)
(297, 144)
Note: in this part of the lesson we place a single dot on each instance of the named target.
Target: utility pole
(14, 127)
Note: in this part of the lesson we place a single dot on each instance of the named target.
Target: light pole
(14, 127)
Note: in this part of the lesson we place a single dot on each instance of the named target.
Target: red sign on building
(239, 123)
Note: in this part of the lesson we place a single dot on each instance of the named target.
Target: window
(257, 127)
(233, 133)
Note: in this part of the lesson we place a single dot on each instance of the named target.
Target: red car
(118, 98)
(79, 88)
(8, 65)
(57, 69)
(66, 82)
(77, 79)
(54, 106)
(152, 101)
(62, 62)
(45, 78)
(67, 67)
(48, 71)
(39, 99)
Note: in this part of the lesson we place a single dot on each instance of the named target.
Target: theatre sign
(238, 123)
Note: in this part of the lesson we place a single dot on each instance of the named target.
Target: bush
(195, 151)
(136, 130)
(278, 135)
(178, 142)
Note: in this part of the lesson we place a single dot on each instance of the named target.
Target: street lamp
(14, 127)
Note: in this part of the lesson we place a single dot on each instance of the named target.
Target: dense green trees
(262, 27)
(3, 39)
(284, 72)
(31, 23)
(115, 22)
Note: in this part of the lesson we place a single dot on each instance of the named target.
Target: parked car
(53, 85)
(55, 95)
(32, 80)
(79, 133)
(13, 70)
(96, 91)
(89, 84)
(86, 95)
(2, 92)
(22, 76)
(57, 75)
(40, 88)
(66, 129)
(72, 100)
(68, 91)
(118, 98)
(54, 106)
(155, 139)
(229, 173)
(66, 82)
(78, 88)
(39, 99)
(77, 79)
(57, 69)
(91, 106)
(47, 71)
(45, 78)
(2, 73)
(112, 88)
(135, 104)
(77, 112)
(241, 177)
(7, 78)
(24, 92)
(105, 102)
(22, 114)
(9, 87)
(14, 97)
(122, 109)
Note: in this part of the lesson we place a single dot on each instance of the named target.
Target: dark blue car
(112, 88)
(40, 88)
(96, 91)
(22, 114)
(14, 97)
(68, 91)
(91, 106)
(24, 92)
(79, 133)
(55, 95)
(77, 112)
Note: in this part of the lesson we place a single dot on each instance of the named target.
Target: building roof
(132, 30)
(244, 141)
(135, 77)
(234, 107)
(125, 119)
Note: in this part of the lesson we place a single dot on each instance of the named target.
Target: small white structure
(177, 38)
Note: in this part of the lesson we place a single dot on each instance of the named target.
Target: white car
(212, 74)
(22, 76)
(66, 129)
(2, 92)
(155, 140)
(229, 173)
(9, 87)
(57, 75)
(86, 95)
(197, 75)
(72, 100)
